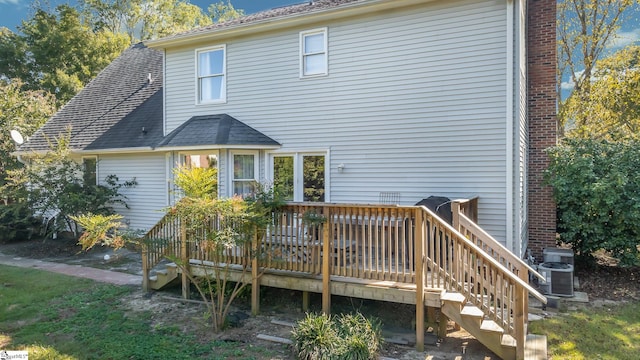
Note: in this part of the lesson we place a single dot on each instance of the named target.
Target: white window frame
(256, 169)
(223, 91)
(303, 55)
(298, 176)
(199, 153)
(84, 169)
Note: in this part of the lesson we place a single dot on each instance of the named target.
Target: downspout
(510, 234)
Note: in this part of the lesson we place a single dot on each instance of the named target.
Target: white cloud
(622, 39)
(14, 2)
(567, 85)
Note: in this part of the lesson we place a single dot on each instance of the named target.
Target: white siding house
(409, 97)
(415, 101)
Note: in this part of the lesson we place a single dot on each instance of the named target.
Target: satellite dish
(17, 137)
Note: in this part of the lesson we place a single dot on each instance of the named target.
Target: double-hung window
(313, 53)
(244, 175)
(211, 74)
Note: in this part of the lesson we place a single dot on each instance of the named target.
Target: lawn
(61, 317)
(593, 333)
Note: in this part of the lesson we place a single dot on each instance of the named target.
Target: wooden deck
(402, 254)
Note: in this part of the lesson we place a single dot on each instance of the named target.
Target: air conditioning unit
(558, 255)
(559, 278)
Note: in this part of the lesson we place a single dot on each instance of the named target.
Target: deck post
(419, 262)
(305, 301)
(326, 259)
(145, 267)
(255, 278)
(184, 252)
(455, 214)
(519, 319)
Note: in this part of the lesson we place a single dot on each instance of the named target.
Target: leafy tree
(53, 185)
(20, 110)
(596, 186)
(221, 11)
(144, 19)
(584, 28)
(611, 109)
(57, 52)
(14, 62)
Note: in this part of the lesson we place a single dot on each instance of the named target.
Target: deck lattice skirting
(403, 254)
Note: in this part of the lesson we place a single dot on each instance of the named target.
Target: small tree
(53, 184)
(219, 228)
(197, 182)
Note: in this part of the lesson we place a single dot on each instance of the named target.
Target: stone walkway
(106, 276)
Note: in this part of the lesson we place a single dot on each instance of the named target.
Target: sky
(12, 12)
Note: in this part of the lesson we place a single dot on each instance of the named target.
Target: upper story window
(313, 53)
(211, 74)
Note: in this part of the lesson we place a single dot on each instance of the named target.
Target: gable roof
(216, 131)
(105, 113)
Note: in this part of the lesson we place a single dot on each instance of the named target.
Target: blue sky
(12, 12)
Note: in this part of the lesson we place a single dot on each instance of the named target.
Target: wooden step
(163, 277)
(473, 313)
(491, 326)
(453, 297)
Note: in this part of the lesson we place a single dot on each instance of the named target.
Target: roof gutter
(283, 22)
(218, 147)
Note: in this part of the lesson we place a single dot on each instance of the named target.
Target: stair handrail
(150, 260)
(486, 256)
(465, 266)
(492, 243)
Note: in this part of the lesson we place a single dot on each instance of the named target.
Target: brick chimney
(541, 63)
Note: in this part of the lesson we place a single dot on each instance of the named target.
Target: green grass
(602, 333)
(61, 317)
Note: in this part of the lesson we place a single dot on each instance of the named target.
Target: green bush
(596, 186)
(352, 336)
(17, 222)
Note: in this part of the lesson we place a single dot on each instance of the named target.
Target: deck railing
(404, 244)
(160, 241)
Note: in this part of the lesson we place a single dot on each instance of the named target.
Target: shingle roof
(215, 130)
(272, 14)
(112, 109)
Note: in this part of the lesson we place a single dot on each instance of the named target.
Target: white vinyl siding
(415, 102)
(147, 199)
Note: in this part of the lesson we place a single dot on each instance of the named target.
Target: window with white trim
(244, 174)
(299, 176)
(200, 159)
(313, 53)
(90, 170)
(211, 74)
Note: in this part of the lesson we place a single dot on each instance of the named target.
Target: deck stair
(164, 277)
(456, 307)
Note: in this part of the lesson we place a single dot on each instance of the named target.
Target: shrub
(53, 184)
(17, 222)
(349, 336)
(596, 186)
(197, 182)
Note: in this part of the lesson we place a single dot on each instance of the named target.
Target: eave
(284, 22)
